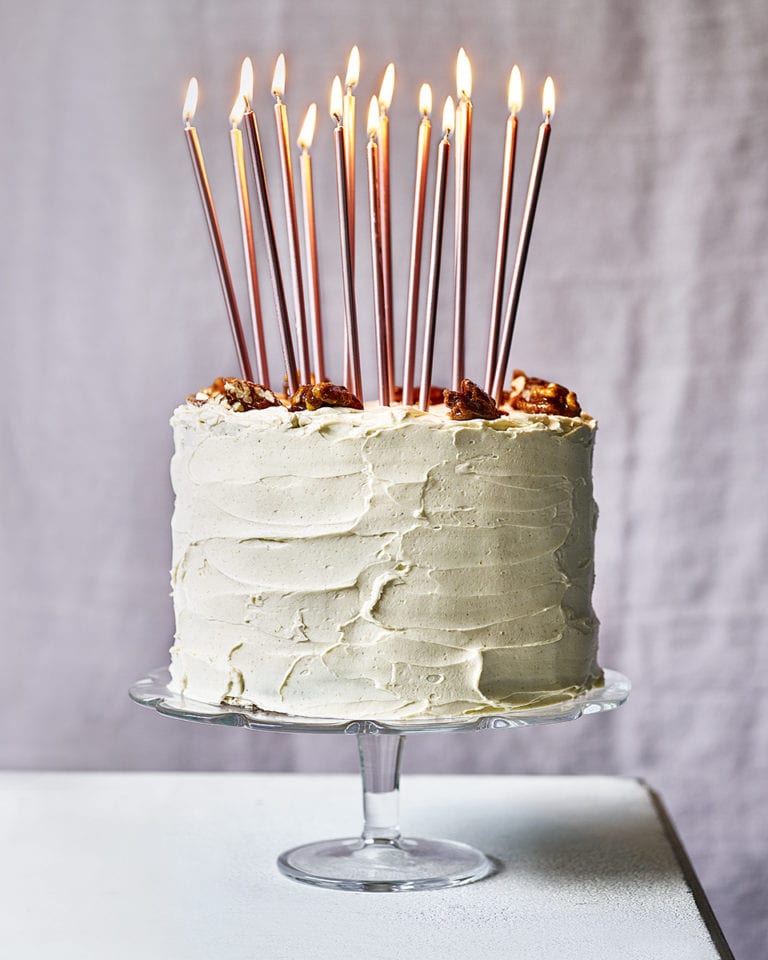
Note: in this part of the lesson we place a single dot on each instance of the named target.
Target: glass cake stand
(381, 859)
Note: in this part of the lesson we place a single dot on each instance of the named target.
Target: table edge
(689, 873)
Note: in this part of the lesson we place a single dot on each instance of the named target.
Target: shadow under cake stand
(381, 859)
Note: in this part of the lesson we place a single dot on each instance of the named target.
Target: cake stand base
(385, 866)
(381, 860)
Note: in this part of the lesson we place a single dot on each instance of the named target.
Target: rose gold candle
(198, 165)
(350, 306)
(374, 207)
(273, 259)
(417, 233)
(435, 257)
(306, 135)
(524, 240)
(348, 121)
(514, 102)
(385, 101)
(291, 222)
(463, 155)
(246, 231)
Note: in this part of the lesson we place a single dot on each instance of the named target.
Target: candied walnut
(470, 403)
(435, 395)
(312, 396)
(240, 395)
(533, 395)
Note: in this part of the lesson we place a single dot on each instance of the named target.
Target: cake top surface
(372, 419)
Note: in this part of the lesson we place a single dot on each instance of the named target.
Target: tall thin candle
(435, 258)
(417, 233)
(374, 207)
(351, 80)
(198, 165)
(385, 101)
(464, 156)
(246, 230)
(306, 135)
(273, 259)
(348, 121)
(350, 305)
(514, 102)
(524, 240)
(291, 221)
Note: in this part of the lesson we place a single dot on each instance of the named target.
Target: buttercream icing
(384, 563)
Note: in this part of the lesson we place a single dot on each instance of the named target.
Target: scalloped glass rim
(153, 691)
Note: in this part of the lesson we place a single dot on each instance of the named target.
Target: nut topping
(533, 395)
(312, 396)
(435, 395)
(239, 395)
(470, 403)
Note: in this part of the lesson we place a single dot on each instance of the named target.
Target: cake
(384, 562)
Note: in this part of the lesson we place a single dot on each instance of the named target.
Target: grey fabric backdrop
(646, 292)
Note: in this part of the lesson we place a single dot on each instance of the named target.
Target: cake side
(382, 563)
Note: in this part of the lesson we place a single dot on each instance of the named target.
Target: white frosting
(382, 563)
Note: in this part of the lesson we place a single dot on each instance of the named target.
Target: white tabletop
(183, 865)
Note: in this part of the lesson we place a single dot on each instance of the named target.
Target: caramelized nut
(312, 396)
(239, 395)
(470, 403)
(533, 395)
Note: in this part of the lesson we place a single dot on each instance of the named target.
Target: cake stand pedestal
(380, 859)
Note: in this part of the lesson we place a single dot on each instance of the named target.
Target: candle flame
(515, 92)
(373, 117)
(190, 101)
(246, 80)
(425, 99)
(337, 100)
(353, 69)
(238, 109)
(307, 132)
(449, 116)
(387, 87)
(548, 99)
(463, 75)
(278, 77)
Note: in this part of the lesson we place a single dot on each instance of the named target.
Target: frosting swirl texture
(382, 563)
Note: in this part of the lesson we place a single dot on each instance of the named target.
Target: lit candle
(350, 82)
(463, 159)
(374, 207)
(260, 177)
(417, 233)
(348, 120)
(246, 230)
(524, 240)
(350, 306)
(291, 222)
(433, 282)
(514, 102)
(198, 165)
(385, 101)
(306, 135)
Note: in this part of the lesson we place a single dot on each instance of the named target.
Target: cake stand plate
(381, 859)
